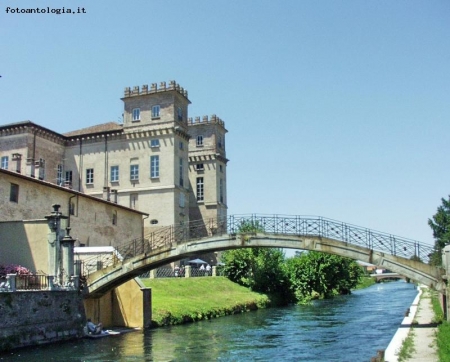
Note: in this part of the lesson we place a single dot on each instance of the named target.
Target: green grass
(443, 332)
(181, 300)
(407, 348)
(365, 282)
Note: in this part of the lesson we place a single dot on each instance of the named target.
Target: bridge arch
(403, 256)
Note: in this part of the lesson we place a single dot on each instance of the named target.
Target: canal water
(346, 328)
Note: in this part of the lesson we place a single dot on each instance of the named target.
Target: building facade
(159, 161)
(24, 203)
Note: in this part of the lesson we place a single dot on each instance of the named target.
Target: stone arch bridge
(406, 257)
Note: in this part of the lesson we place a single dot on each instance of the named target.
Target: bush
(13, 269)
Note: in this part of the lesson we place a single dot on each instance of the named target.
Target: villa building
(159, 161)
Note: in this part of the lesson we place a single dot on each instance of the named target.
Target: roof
(99, 128)
(28, 124)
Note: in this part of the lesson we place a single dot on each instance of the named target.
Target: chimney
(18, 158)
(30, 167)
(114, 192)
(106, 191)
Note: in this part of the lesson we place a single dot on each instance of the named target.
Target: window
(5, 162)
(89, 176)
(68, 178)
(59, 175)
(180, 114)
(114, 217)
(220, 168)
(154, 166)
(114, 174)
(14, 193)
(136, 114)
(134, 172)
(199, 167)
(181, 145)
(219, 141)
(200, 189)
(221, 190)
(154, 143)
(182, 200)
(199, 140)
(181, 172)
(155, 111)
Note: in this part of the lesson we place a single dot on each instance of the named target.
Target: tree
(240, 263)
(299, 279)
(440, 224)
(316, 275)
(260, 269)
(250, 226)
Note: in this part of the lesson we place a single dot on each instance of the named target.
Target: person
(208, 269)
(94, 328)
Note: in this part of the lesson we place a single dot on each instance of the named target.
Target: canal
(346, 328)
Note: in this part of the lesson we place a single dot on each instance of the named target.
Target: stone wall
(32, 318)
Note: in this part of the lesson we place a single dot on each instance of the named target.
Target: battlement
(163, 87)
(205, 119)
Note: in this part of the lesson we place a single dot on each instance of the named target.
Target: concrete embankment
(420, 319)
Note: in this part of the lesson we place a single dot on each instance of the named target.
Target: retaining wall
(38, 317)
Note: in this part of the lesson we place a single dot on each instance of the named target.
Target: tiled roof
(104, 127)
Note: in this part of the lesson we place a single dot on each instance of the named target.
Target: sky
(337, 109)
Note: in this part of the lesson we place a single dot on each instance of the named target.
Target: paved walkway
(421, 311)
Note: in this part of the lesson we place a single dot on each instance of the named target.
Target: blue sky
(337, 109)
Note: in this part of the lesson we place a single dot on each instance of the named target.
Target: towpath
(420, 323)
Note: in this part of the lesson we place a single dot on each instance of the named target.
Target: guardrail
(323, 227)
(170, 236)
(194, 272)
(22, 282)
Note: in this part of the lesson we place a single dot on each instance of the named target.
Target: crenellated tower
(163, 106)
(207, 168)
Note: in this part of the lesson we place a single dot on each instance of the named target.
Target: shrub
(13, 269)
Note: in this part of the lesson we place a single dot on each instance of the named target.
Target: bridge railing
(162, 239)
(170, 236)
(323, 227)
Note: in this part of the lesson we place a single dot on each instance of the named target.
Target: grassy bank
(443, 333)
(182, 300)
(365, 282)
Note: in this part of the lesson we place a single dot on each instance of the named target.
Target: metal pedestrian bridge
(406, 257)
